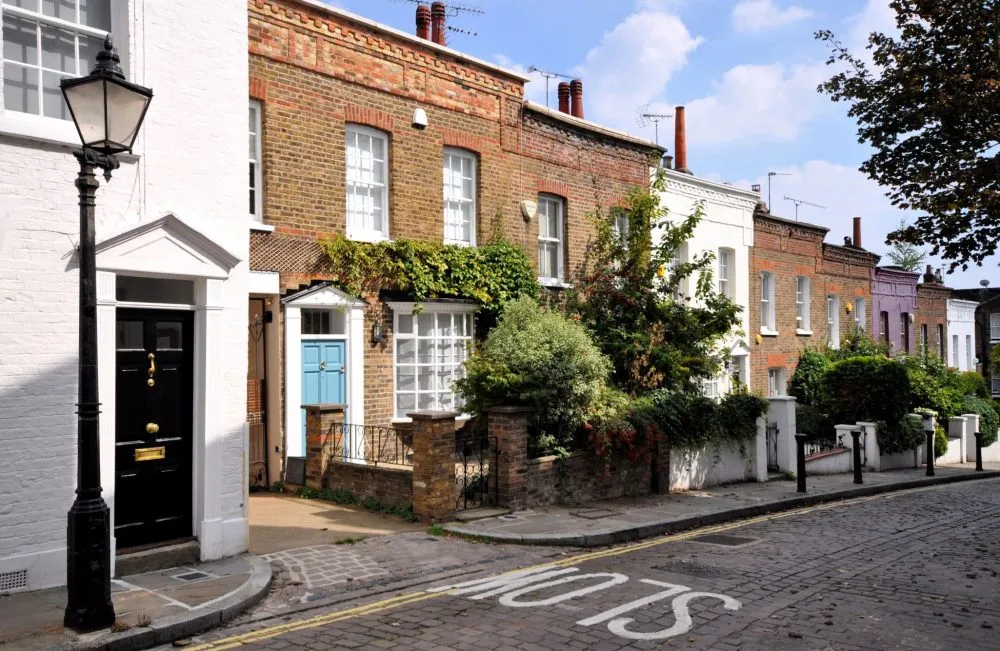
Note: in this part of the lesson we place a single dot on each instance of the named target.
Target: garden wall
(719, 463)
(582, 477)
(391, 486)
(829, 463)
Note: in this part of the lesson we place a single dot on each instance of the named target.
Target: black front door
(153, 411)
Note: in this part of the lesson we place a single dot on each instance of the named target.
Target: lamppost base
(88, 563)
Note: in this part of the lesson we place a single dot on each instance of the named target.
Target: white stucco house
(962, 332)
(172, 238)
(726, 230)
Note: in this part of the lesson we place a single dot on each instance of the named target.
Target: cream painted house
(726, 230)
(962, 334)
(172, 245)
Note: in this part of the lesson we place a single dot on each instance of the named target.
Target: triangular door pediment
(166, 246)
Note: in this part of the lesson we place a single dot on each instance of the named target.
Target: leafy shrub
(812, 421)
(970, 383)
(857, 344)
(900, 435)
(867, 388)
(932, 386)
(988, 418)
(807, 381)
(940, 441)
(539, 359)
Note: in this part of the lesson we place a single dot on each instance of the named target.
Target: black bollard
(930, 452)
(856, 435)
(979, 451)
(800, 462)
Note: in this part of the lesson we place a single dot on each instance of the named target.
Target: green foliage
(970, 383)
(628, 297)
(810, 420)
(867, 388)
(278, 487)
(899, 435)
(929, 108)
(932, 385)
(940, 441)
(540, 359)
(988, 418)
(807, 381)
(435, 530)
(307, 492)
(341, 496)
(904, 254)
(857, 344)
(492, 274)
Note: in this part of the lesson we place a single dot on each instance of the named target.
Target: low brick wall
(392, 486)
(582, 477)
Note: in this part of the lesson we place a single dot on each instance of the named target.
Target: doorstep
(152, 607)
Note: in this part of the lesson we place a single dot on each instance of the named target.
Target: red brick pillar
(510, 427)
(433, 464)
(323, 435)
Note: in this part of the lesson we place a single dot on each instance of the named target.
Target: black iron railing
(371, 444)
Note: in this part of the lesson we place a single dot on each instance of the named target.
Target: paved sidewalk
(620, 520)
(151, 608)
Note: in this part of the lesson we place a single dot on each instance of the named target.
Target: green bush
(932, 386)
(539, 359)
(807, 381)
(940, 441)
(867, 388)
(900, 435)
(988, 419)
(857, 344)
(970, 383)
(812, 421)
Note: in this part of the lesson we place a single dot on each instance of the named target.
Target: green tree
(629, 298)
(930, 109)
(906, 254)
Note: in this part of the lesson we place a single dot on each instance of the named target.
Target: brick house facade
(321, 77)
(804, 293)
(932, 317)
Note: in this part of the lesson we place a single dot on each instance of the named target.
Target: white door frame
(323, 296)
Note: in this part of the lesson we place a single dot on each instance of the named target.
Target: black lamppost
(107, 111)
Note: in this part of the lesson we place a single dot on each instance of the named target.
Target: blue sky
(746, 70)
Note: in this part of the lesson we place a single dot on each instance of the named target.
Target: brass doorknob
(152, 428)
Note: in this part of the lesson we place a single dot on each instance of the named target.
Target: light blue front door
(323, 376)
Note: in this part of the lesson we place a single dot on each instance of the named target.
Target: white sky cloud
(760, 15)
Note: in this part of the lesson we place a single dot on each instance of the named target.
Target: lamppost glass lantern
(107, 109)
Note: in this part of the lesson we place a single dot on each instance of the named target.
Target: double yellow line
(414, 597)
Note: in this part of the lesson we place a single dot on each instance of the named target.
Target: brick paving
(913, 570)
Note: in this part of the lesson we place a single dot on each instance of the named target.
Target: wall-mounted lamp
(378, 332)
(849, 308)
(911, 317)
(419, 119)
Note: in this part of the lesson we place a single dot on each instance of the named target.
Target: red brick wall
(932, 311)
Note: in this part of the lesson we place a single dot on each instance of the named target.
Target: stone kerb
(324, 428)
(433, 464)
(510, 427)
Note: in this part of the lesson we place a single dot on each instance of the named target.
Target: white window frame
(56, 130)
(470, 158)
(258, 174)
(710, 387)
(925, 339)
(833, 321)
(559, 240)
(776, 382)
(435, 309)
(726, 258)
(968, 353)
(995, 384)
(859, 314)
(995, 326)
(767, 307)
(803, 296)
(954, 350)
(353, 230)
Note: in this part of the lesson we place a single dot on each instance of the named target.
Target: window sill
(554, 283)
(259, 226)
(458, 243)
(803, 333)
(461, 418)
(39, 129)
(371, 238)
(767, 332)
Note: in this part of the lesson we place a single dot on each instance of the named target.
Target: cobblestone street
(914, 570)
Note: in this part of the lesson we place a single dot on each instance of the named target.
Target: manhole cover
(695, 569)
(191, 576)
(724, 539)
(594, 514)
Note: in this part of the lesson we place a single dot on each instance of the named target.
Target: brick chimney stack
(424, 22)
(576, 98)
(563, 97)
(857, 232)
(438, 14)
(680, 142)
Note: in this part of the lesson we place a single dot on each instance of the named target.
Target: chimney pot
(424, 22)
(680, 141)
(438, 14)
(563, 97)
(857, 232)
(576, 98)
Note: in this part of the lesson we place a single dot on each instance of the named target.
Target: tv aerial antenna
(452, 9)
(799, 202)
(645, 117)
(548, 74)
(771, 175)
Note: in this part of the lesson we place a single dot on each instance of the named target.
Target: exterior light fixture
(378, 332)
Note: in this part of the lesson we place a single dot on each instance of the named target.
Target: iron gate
(476, 460)
(256, 403)
(772, 447)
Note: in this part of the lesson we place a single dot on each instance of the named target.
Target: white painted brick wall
(192, 162)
